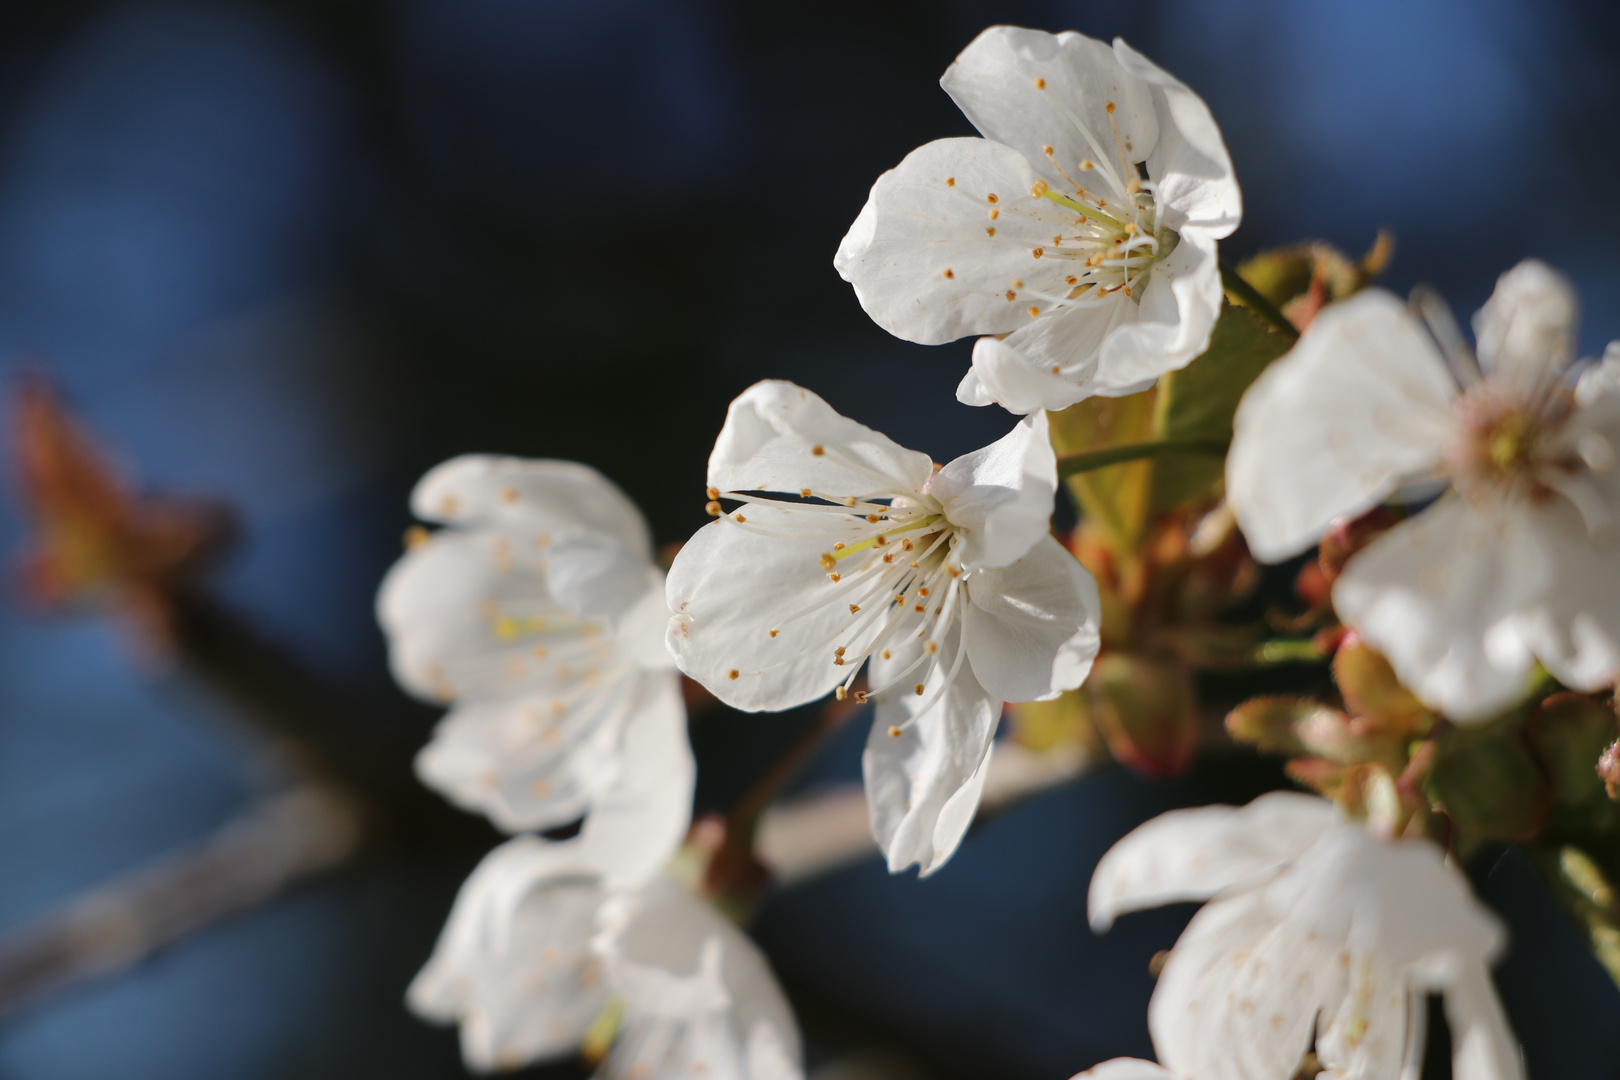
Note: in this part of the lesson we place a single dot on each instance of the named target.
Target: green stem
(1252, 299)
(1089, 460)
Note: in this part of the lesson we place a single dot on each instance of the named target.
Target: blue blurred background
(293, 253)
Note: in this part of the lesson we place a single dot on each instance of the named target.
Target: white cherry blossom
(538, 949)
(1095, 278)
(540, 615)
(1518, 560)
(1126, 1069)
(847, 547)
(1314, 925)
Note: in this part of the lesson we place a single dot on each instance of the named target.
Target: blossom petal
(464, 612)
(923, 785)
(1031, 629)
(1440, 595)
(512, 964)
(1194, 184)
(1030, 90)
(526, 763)
(671, 956)
(1195, 854)
(1049, 364)
(1126, 1069)
(1000, 497)
(731, 586)
(1483, 1046)
(771, 435)
(950, 243)
(1174, 319)
(1525, 333)
(1331, 429)
(1216, 1014)
(594, 578)
(1574, 626)
(636, 824)
(531, 496)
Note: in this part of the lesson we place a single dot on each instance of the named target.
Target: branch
(116, 925)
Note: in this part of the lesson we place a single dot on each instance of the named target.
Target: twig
(115, 925)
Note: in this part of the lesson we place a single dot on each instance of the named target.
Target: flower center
(892, 573)
(1506, 443)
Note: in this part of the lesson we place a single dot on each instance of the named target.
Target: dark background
(292, 254)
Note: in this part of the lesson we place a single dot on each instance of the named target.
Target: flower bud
(1146, 712)
(1568, 735)
(1490, 784)
(1373, 692)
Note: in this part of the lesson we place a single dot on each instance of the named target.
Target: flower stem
(1089, 460)
(1252, 299)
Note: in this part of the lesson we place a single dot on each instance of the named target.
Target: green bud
(1146, 712)
(1490, 784)
(1372, 691)
(1568, 735)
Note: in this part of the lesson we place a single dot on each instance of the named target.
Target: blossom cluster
(1465, 502)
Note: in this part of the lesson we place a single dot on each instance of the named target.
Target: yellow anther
(853, 608)
(918, 689)
(838, 693)
(828, 561)
(509, 494)
(818, 450)
(733, 674)
(714, 493)
(713, 508)
(416, 536)
(1040, 84)
(775, 632)
(894, 732)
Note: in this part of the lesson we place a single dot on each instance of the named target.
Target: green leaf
(1197, 403)
(1115, 499)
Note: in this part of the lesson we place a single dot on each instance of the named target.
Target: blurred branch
(97, 546)
(819, 833)
(113, 926)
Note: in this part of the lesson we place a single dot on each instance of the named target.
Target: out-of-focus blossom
(539, 954)
(699, 999)
(1519, 560)
(848, 547)
(1126, 1069)
(1315, 925)
(1081, 229)
(540, 614)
